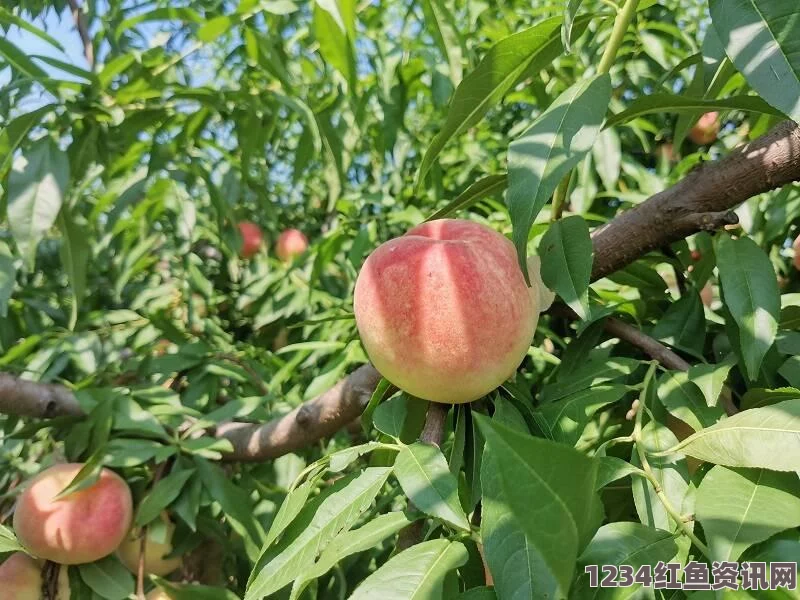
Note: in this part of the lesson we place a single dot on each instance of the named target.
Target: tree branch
(311, 421)
(34, 399)
(83, 31)
(699, 201)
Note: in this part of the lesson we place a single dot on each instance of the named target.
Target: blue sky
(62, 29)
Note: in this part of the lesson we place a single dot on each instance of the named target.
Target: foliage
(121, 187)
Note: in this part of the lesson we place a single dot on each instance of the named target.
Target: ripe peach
(251, 239)
(444, 312)
(155, 551)
(291, 243)
(21, 579)
(706, 129)
(796, 248)
(80, 528)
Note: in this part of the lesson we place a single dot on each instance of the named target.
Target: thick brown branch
(316, 419)
(699, 201)
(83, 31)
(33, 399)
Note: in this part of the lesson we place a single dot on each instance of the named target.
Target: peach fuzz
(80, 528)
(444, 312)
(291, 243)
(21, 579)
(706, 129)
(155, 562)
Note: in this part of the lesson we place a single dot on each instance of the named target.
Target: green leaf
(8, 541)
(193, 591)
(75, 252)
(235, 503)
(108, 578)
(161, 496)
(672, 474)
(565, 420)
(741, 507)
(9, 18)
(752, 296)
(762, 39)
(334, 29)
(87, 476)
(565, 519)
(426, 479)
(417, 573)
(591, 373)
(685, 401)
(765, 437)
(570, 10)
(485, 86)
(186, 15)
(366, 537)
(566, 253)
(291, 506)
(607, 154)
(339, 461)
(673, 103)
(15, 131)
(483, 188)
(20, 61)
(611, 468)
(710, 379)
(399, 414)
(758, 397)
(36, 187)
(683, 325)
(315, 527)
(550, 148)
(624, 543)
(440, 21)
(8, 278)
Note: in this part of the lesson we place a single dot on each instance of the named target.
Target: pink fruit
(706, 129)
(291, 243)
(252, 239)
(444, 312)
(80, 528)
(21, 579)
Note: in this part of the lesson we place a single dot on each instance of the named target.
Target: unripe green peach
(21, 579)
(82, 527)
(155, 552)
(444, 312)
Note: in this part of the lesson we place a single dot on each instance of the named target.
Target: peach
(80, 528)
(158, 594)
(21, 579)
(705, 131)
(444, 312)
(291, 243)
(707, 294)
(155, 552)
(251, 239)
(796, 248)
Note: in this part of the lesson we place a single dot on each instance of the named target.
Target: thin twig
(83, 31)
